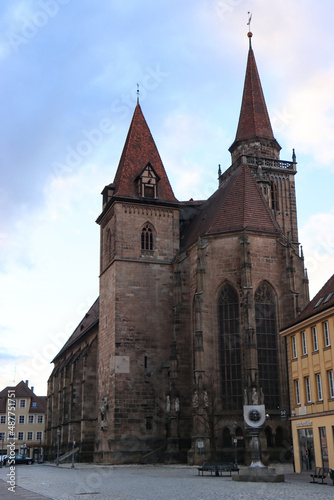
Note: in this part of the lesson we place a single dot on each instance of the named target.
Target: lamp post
(2, 448)
(72, 447)
(40, 449)
(58, 439)
(235, 441)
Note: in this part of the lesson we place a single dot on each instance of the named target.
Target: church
(192, 297)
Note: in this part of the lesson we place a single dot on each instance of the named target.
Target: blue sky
(69, 70)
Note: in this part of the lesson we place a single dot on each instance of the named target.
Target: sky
(69, 72)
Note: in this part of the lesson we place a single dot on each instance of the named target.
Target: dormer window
(148, 183)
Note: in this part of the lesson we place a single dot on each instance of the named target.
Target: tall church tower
(255, 144)
(139, 238)
(241, 258)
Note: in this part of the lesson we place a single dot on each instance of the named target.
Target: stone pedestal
(259, 474)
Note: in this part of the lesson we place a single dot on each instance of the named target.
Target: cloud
(317, 236)
(311, 122)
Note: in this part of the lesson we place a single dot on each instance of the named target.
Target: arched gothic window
(274, 196)
(266, 336)
(230, 348)
(147, 238)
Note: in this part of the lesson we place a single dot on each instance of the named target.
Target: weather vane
(249, 20)
(137, 93)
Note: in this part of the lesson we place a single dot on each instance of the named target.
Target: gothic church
(192, 297)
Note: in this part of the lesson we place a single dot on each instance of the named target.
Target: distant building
(310, 347)
(192, 297)
(22, 420)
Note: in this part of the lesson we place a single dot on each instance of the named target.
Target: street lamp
(235, 441)
(72, 447)
(58, 439)
(40, 449)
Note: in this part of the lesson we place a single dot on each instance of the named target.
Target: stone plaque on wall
(122, 364)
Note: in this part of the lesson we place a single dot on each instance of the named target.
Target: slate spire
(139, 151)
(254, 121)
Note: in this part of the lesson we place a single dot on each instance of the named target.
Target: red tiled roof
(323, 300)
(138, 151)
(90, 319)
(21, 390)
(254, 118)
(236, 206)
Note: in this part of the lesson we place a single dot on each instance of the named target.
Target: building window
(3, 419)
(30, 419)
(326, 334)
(20, 436)
(308, 389)
(319, 387)
(297, 394)
(2, 436)
(315, 338)
(39, 435)
(266, 333)
(331, 383)
(22, 403)
(33, 404)
(40, 419)
(30, 435)
(21, 419)
(149, 421)
(304, 345)
(294, 347)
(147, 238)
(274, 197)
(230, 348)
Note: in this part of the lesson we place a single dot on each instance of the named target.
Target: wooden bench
(217, 468)
(320, 473)
(331, 475)
(207, 467)
(227, 468)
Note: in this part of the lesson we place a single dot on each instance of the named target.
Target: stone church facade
(192, 297)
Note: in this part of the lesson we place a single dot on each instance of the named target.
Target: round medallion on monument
(254, 416)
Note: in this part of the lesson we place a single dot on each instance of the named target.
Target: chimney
(27, 381)
(32, 388)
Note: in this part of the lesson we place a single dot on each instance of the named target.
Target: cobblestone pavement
(140, 482)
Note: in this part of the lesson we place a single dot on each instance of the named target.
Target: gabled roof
(90, 319)
(21, 390)
(138, 151)
(235, 206)
(323, 300)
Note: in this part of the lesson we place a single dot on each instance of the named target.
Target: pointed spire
(139, 151)
(254, 121)
(254, 118)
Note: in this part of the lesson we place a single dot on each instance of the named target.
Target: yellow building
(22, 421)
(310, 350)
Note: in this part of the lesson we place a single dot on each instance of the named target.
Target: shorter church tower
(139, 239)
